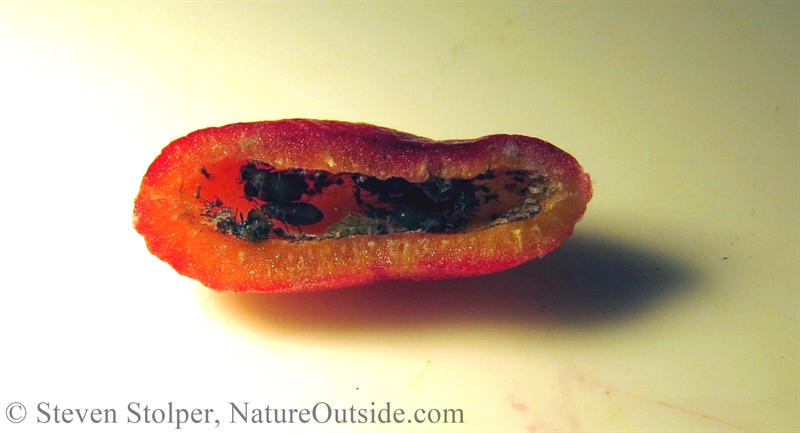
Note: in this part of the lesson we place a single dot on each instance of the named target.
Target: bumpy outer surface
(168, 216)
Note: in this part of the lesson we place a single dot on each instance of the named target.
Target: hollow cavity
(254, 201)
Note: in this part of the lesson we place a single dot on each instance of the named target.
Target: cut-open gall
(301, 205)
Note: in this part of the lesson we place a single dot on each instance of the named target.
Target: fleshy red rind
(168, 216)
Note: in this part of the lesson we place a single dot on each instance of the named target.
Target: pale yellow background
(674, 307)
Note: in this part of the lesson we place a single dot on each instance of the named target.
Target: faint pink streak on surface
(581, 378)
(517, 405)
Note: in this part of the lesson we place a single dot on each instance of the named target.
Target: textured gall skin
(169, 216)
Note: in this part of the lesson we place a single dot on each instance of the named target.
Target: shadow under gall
(588, 281)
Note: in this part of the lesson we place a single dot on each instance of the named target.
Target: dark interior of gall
(254, 201)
